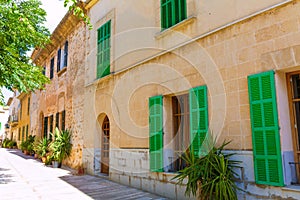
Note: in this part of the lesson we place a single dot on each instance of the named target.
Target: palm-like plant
(210, 175)
(61, 146)
(42, 147)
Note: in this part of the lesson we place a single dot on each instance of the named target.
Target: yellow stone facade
(219, 45)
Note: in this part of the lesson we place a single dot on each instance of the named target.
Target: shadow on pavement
(22, 155)
(5, 178)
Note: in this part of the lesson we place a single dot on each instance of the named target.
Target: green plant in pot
(61, 146)
(210, 175)
(42, 148)
(24, 145)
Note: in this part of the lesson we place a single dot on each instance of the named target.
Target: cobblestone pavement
(23, 177)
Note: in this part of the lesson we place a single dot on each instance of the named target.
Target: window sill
(62, 71)
(185, 22)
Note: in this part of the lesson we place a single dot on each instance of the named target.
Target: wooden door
(105, 147)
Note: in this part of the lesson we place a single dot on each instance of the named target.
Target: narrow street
(23, 177)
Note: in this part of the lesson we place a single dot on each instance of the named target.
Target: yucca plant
(210, 176)
(61, 146)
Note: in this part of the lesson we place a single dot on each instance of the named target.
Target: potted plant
(30, 149)
(42, 148)
(210, 175)
(24, 145)
(61, 146)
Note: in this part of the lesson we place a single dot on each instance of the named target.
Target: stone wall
(66, 89)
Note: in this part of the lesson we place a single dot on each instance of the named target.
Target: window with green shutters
(172, 12)
(198, 117)
(103, 53)
(265, 129)
(156, 133)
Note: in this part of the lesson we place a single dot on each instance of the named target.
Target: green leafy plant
(210, 176)
(5, 143)
(61, 146)
(24, 145)
(27, 145)
(11, 144)
(42, 147)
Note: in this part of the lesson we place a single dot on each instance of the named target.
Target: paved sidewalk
(23, 177)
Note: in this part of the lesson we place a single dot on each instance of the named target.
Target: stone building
(15, 130)
(160, 74)
(4, 113)
(24, 117)
(60, 103)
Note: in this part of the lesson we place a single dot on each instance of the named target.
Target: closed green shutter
(172, 12)
(198, 117)
(103, 54)
(265, 129)
(156, 133)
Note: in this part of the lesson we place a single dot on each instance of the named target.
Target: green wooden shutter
(172, 12)
(103, 54)
(265, 129)
(156, 133)
(198, 117)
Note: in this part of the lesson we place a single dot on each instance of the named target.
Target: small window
(63, 118)
(21, 111)
(51, 68)
(28, 106)
(57, 120)
(45, 127)
(65, 64)
(26, 132)
(23, 133)
(19, 135)
(58, 60)
(103, 53)
(172, 12)
(51, 126)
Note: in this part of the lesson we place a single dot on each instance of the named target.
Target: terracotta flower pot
(44, 158)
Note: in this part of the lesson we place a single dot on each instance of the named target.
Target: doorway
(105, 146)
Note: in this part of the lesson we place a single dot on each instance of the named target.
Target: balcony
(13, 120)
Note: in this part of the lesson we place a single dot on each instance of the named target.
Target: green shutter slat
(156, 133)
(172, 12)
(265, 129)
(198, 117)
(103, 51)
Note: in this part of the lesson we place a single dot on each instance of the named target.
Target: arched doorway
(105, 146)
